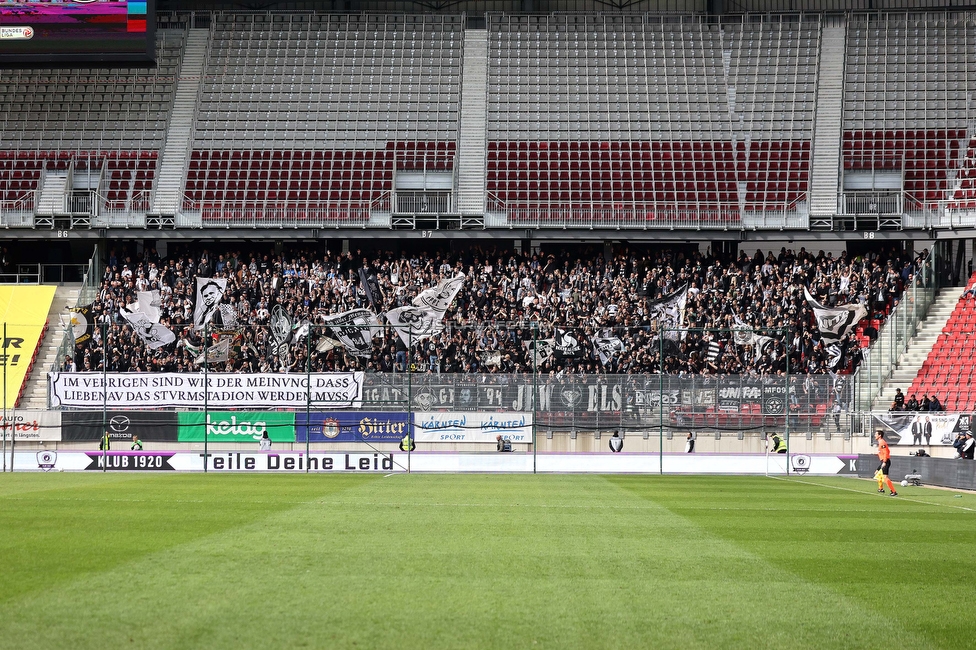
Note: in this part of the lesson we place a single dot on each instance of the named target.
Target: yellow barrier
(24, 310)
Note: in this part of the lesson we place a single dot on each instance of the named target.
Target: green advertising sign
(236, 426)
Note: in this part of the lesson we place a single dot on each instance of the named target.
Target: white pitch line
(902, 498)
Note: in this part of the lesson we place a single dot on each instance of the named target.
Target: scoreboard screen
(83, 31)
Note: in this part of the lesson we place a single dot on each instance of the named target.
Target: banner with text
(236, 426)
(472, 427)
(91, 390)
(350, 426)
(922, 427)
(32, 426)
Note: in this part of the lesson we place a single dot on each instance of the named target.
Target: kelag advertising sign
(344, 426)
(236, 426)
(151, 426)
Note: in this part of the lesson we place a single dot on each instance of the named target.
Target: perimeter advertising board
(350, 426)
(32, 426)
(150, 426)
(236, 426)
(461, 426)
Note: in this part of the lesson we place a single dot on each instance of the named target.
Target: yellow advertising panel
(24, 310)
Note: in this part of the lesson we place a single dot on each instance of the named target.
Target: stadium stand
(640, 118)
(104, 125)
(306, 118)
(581, 294)
(907, 103)
(948, 371)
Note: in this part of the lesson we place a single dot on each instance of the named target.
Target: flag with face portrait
(210, 292)
(154, 335)
(354, 330)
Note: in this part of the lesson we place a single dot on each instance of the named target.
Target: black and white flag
(353, 329)
(210, 291)
(565, 344)
(669, 312)
(743, 334)
(439, 298)
(835, 322)
(281, 334)
(219, 352)
(152, 334)
(367, 279)
(607, 347)
(714, 349)
(82, 323)
(413, 324)
(539, 350)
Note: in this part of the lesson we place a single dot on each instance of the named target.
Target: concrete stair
(825, 164)
(474, 119)
(58, 322)
(919, 347)
(172, 168)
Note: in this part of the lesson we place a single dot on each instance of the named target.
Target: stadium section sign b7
(91, 390)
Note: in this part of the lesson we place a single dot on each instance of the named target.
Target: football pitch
(482, 561)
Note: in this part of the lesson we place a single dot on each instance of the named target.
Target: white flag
(540, 349)
(149, 304)
(414, 324)
(440, 297)
(210, 291)
(152, 334)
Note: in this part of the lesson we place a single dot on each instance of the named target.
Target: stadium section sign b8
(92, 390)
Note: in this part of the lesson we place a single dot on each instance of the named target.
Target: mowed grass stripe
(58, 527)
(373, 565)
(896, 557)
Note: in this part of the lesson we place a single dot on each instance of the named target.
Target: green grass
(481, 561)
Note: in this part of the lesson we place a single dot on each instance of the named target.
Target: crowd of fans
(508, 299)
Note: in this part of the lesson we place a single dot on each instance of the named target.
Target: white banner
(414, 324)
(296, 461)
(472, 427)
(90, 390)
(32, 426)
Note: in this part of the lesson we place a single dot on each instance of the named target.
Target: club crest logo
(46, 460)
(330, 428)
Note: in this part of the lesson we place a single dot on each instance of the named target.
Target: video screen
(84, 31)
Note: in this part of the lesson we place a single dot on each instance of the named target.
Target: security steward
(407, 443)
(779, 444)
(105, 444)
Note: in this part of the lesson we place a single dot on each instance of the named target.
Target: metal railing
(881, 358)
